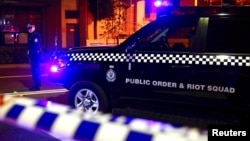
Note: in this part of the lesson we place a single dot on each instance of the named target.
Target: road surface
(16, 80)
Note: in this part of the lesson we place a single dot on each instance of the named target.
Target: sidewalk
(19, 65)
(14, 65)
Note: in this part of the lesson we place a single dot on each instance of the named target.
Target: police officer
(34, 53)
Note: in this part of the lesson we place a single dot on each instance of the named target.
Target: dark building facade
(66, 23)
(15, 15)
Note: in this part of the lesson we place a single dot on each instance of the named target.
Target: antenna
(56, 41)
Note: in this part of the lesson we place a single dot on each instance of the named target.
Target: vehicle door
(158, 62)
(223, 67)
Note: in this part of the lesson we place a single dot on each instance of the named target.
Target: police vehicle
(193, 60)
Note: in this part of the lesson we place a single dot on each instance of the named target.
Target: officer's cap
(29, 26)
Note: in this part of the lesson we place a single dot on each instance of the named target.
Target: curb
(19, 65)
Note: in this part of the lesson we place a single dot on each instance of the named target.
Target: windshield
(149, 33)
(167, 33)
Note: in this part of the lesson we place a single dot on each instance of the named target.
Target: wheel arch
(96, 88)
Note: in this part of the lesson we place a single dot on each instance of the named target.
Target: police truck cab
(191, 60)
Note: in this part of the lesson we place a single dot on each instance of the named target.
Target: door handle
(180, 66)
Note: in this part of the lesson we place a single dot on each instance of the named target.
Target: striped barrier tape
(63, 122)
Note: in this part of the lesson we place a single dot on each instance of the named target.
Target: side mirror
(131, 48)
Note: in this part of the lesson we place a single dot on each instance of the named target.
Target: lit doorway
(72, 35)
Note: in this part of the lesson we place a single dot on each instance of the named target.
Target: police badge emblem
(110, 75)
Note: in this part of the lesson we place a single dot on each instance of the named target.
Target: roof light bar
(159, 3)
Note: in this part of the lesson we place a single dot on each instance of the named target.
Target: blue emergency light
(54, 68)
(157, 3)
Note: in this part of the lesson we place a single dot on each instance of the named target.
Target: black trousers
(36, 70)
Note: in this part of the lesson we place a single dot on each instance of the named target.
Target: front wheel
(88, 97)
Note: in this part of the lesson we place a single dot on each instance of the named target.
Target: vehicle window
(153, 38)
(228, 35)
(180, 36)
(141, 39)
(176, 35)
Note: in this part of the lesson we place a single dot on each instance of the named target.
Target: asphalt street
(9, 132)
(15, 79)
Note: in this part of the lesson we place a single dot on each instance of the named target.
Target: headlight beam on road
(15, 93)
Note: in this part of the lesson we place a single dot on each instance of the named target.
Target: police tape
(61, 121)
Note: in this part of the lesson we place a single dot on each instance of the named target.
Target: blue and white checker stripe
(65, 123)
(181, 58)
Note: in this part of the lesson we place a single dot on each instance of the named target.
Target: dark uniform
(34, 51)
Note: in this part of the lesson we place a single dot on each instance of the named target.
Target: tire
(88, 97)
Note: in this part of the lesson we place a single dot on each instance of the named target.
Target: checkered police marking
(65, 123)
(188, 59)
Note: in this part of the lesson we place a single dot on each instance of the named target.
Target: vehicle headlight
(57, 64)
(54, 68)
